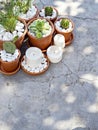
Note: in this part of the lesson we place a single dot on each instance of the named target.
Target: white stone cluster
(30, 13)
(8, 36)
(57, 24)
(38, 69)
(7, 56)
(42, 14)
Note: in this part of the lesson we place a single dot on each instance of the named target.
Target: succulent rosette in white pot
(49, 12)
(27, 10)
(11, 26)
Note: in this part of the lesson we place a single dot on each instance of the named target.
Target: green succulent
(64, 23)
(48, 11)
(39, 27)
(23, 6)
(9, 47)
(8, 18)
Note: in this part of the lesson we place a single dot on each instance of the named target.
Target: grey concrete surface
(66, 96)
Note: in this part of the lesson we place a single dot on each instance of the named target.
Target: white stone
(57, 24)
(7, 36)
(19, 24)
(19, 34)
(42, 13)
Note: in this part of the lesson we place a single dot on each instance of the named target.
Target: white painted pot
(59, 40)
(33, 57)
(54, 54)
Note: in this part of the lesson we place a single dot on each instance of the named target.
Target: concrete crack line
(81, 18)
(85, 18)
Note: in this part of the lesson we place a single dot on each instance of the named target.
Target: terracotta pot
(20, 39)
(11, 66)
(52, 19)
(67, 35)
(27, 20)
(43, 42)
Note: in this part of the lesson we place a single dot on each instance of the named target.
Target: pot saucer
(70, 40)
(9, 73)
(34, 73)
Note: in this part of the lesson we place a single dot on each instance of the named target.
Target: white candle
(59, 40)
(54, 54)
(33, 56)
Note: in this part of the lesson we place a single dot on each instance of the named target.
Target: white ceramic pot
(54, 54)
(33, 56)
(59, 40)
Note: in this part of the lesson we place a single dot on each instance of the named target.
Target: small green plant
(9, 47)
(8, 18)
(48, 11)
(39, 27)
(23, 6)
(64, 23)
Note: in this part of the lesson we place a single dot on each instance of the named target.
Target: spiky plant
(48, 11)
(23, 6)
(8, 18)
(64, 23)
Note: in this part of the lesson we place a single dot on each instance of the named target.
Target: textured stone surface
(66, 96)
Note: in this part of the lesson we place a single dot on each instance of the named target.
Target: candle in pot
(59, 40)
(33, 56)
(54, 54)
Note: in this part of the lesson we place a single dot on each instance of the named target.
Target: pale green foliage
(39, 27)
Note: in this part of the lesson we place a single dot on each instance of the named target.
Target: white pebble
(7, 36)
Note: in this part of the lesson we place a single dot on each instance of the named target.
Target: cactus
(9, 47)
(48, 11)
(64, 23)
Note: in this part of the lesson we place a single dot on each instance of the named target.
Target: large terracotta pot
(27, 20)
(52, 19)
(67, 35)
(43, 42)
(11, 66)
(20, 39)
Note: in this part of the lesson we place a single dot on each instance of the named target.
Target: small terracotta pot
(20, 39)
(11, 66)
(27, 20)
(67, 35)
(51, 19)
(43, 42)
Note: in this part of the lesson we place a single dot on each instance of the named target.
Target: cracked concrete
(66, 96)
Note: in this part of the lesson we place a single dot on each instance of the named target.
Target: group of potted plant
(18, 18)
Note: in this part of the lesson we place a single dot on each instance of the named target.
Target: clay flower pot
(20, 39)
(30, 18)
(43, 42)
(11, 65)
(53, 17)
(66, 34)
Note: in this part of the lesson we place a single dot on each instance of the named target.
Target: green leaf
(9, 47)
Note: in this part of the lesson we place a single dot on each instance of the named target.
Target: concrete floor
(66, 96)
